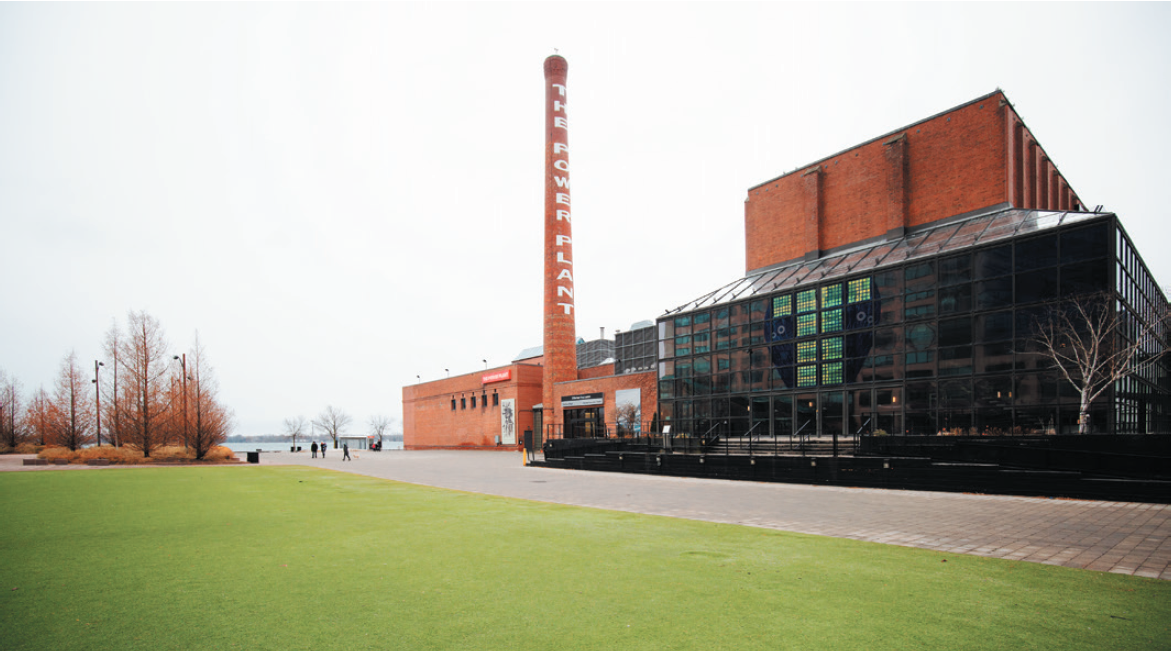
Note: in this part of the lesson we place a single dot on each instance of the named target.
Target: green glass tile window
(783, 305)
(807, 376)
(831, 296)
(832, 373)
(807, 351)
(831, 348)
(807, 324)
(858, 290)
(807, 301)
(831, 320)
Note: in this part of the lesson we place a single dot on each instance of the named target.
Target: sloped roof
(925, 241)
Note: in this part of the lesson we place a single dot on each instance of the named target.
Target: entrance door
(585, 423)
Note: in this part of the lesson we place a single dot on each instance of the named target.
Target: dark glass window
(1085, 243)
(956, 270)
(920, 274)
(992, 358)
(996, 261)
(496, 400)
(701, 322)
(957, 360)
(889, 283)
(997, 326)
(920, 337)
(859, 315)
(1036, 253)
(1092, 276)
(474, 402)
(463, 403)
(956, 299)
(453, 404)
(956, 332)
(1034, 286)
(994, 293)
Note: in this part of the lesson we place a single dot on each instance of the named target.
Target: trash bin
(253, 457)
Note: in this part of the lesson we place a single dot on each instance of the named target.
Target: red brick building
(972, 158)
(493, 408)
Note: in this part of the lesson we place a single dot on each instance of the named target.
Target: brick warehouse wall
(969, 158)
(647, 383)
(430, 422)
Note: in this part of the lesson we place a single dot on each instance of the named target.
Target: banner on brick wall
(508, 422)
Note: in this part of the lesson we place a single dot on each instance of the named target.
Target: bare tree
(71, 411)
(212, 422)
(36, 416)
(627, 418)
(144, 359)
(295, 428)
(333, 421)
(12, 428)
(1094, 341)
(379, 425)
(113, 410)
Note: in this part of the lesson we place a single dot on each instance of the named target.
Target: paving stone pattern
(1120, 537)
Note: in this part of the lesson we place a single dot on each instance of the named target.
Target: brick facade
(973, 157)
(429, 420)
(647, 383)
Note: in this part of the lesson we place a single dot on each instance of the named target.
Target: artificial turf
(299, 558)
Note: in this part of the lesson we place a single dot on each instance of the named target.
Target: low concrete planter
(60, 462)
(97, 462)
(36, 462)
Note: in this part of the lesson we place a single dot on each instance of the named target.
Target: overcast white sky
(341, 197)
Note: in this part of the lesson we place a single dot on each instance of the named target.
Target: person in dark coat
(323, 449)
(313, 449)
(346, 452)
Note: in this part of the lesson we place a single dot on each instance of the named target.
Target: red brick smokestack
(560, 346)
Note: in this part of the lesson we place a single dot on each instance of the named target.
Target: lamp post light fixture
(98, 400)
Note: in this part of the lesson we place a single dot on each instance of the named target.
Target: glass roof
(927, 241)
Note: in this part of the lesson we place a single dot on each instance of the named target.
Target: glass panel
(807, 376)
(1037, 286)
(859, 290)
(831, 320)
(832, 373)
(783, 305)
(832, 414)
(783, 415)
(831, 296)
(701, 322)
(859, 315)
(920, 304)
(956, 270)
(807, 351)
(832, 348)
(1085, 243)
(1086, 277)
(701, 342)
(995, 261)
(956, 299)
(956, 332)
(920, 274)
(991, 358)
(992, 294)
(957, 360)
(1036, 253)
(807, 324)
(997, 326)
(807, 301)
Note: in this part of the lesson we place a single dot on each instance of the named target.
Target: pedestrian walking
(313, 449)
(323, 449)
(346, 452)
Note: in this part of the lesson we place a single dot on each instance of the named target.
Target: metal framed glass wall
(938, 344)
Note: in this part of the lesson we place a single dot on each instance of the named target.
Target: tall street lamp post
(98, 399)
(183, 363)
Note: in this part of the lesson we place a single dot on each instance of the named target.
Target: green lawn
(296, 558)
